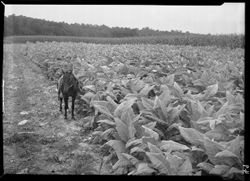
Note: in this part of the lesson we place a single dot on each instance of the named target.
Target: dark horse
(68, 86)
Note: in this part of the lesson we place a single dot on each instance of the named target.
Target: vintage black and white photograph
(124, 90)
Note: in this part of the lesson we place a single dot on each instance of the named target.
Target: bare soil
(45, 143)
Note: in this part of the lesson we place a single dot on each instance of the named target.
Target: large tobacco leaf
(118, 146)
(160, 163)
(192, 136)
(122, 130)
(170, 145)
(212, 148)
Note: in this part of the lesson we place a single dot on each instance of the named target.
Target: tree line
(22, 25)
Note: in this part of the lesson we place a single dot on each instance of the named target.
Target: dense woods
(21, 25)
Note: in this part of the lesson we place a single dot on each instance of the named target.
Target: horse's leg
(73, 106)
(60, 99)
(65, 106)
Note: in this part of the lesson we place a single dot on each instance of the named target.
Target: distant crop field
(232, 41)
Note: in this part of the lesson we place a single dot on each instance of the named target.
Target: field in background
(232, 41)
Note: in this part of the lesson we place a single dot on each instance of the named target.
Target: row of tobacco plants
(157, 109)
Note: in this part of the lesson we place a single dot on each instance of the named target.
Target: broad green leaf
(127, 117)
(222, 110)
(154, 149)
(118, 146)
(123, 106)
(147, 103)
(219, 170)
(174, 161)
(178, 90)
(151, 140)
(212, 148)
(146, 90)
(133, 142)
(207, 167)
(230, 97)
(107, 121)
(159, 162)
(136, 149)
(112, 102)
(237, 146)
(132, 159)
(122, 129)
(170, 145)
(122, 162)
(192, 136)
(242, 120)
(151, 125)
(106, 133)
(144, 169)
(211, 90)
(235, 174)
(186, 168)
(87, 97)
(219, 133)
(150, 132)
(102, 106)
(157, 103)
(226, 157)
(170, 79)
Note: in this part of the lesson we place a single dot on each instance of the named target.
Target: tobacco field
(150, 109)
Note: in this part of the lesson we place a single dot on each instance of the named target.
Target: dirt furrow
(37, 140)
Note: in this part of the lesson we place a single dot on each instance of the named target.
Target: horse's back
(69, 85)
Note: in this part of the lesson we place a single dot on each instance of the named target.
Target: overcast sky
(225, 19)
